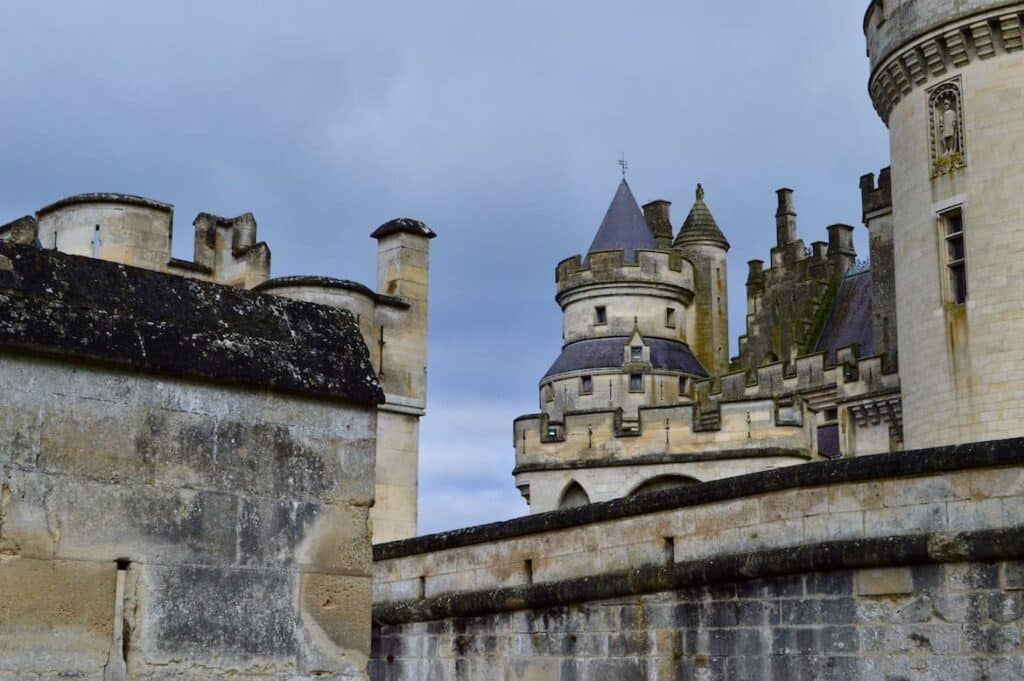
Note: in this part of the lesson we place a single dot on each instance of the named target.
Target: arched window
(663, 482)
(574, 496)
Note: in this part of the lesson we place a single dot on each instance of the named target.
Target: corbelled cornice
(943, 51)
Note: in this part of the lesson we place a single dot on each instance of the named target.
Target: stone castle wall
(179, 497)
(848, 569)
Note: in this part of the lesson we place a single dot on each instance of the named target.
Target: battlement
(603, 437)
(851, 375)
(600, 267)
(134, 230)
(876, 198)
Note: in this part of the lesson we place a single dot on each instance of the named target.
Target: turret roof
(700, 225)
(623, 227)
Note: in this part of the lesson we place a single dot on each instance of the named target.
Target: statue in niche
(950, 123)
(945, 108)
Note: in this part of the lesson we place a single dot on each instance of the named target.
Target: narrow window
(528, 567)
(96, 242)
(549, 393)
(831, 414)
(636, 383)
(586, 385)
(636, 353)
(956, 255)
(601, 314)
(682, 385)
(670, 317)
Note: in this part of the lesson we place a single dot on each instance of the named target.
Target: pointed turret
(623, 227)
(703, 244)
(700, 225)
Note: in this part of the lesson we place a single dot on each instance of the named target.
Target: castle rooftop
(92, 310)
(700, 225)
(624, 227)
(606, 353)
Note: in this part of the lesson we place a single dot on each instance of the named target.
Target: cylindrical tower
(702, 243)
(626, 320)
(947, 78)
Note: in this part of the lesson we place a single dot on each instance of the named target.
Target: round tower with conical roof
(702, 243)
(619, 413)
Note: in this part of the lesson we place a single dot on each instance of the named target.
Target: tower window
(682, 385)
(956, 262)
(586, 385)
(670, 317)
(601, 314)
(636, 353)
(636, 383)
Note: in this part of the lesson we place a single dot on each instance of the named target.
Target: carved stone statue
(946, 122)
(949, 123)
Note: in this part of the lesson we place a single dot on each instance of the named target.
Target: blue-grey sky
(500, 124)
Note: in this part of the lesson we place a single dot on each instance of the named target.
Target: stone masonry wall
(875, 567)
(928, 622)
(238, 516)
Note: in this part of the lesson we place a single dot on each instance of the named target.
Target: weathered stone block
(885, 582)
(335, 623)
(220, 617)
(56, 617)
(143, 523)
(20, 426)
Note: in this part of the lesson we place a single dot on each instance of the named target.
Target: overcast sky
(499, 124)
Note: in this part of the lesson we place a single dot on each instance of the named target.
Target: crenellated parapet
(654, 267)
(136, 231)
(913, 41)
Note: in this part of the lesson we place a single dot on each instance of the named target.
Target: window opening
(586, 385)
(670, 317)
(601, 313)
(636, 383)
(956, 256)
(636, 353)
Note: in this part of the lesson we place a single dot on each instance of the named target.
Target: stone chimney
(785, 218)
(656, 213)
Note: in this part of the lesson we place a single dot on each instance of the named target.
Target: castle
(194, 456)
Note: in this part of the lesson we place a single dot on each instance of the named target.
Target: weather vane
(624, 165)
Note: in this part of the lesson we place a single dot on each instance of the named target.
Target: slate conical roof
(623, 227)
(700, 225)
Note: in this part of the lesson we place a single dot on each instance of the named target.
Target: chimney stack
(656, 213)
(785, 219)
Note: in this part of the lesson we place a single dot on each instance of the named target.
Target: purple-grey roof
(607, 353)
(850, 319)
(623, 227)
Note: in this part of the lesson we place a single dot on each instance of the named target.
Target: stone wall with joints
(204, 480)
(856, 568)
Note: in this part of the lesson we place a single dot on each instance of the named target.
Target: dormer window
(586, 385)
(636, 353)
(636, 383)
(600, 314)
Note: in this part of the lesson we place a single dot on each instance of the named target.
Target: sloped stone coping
(986, 545)
(882, 466)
